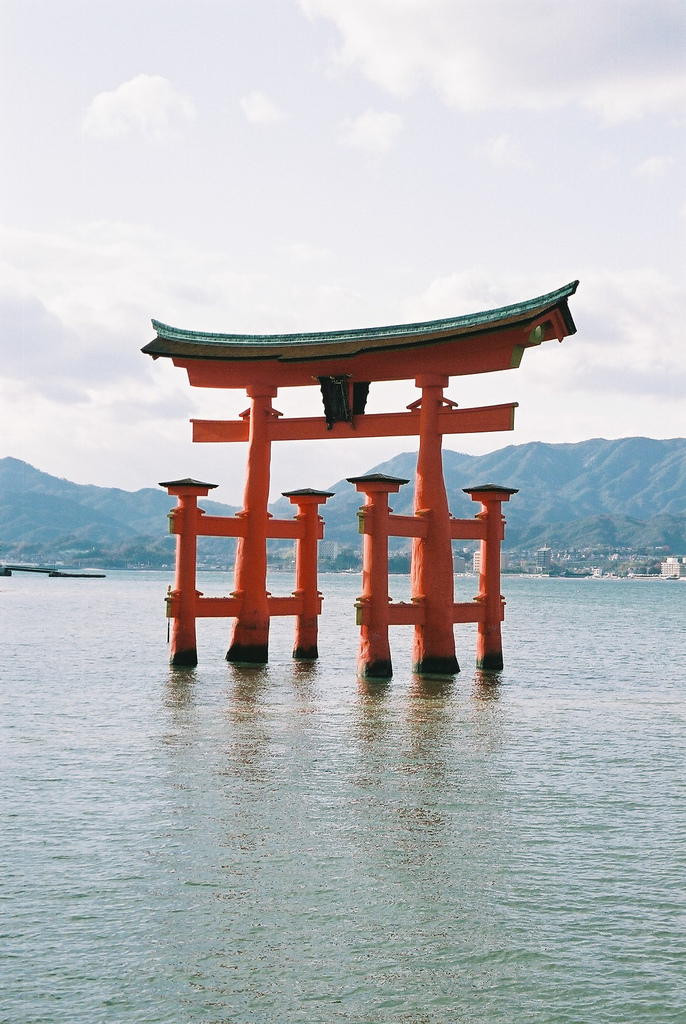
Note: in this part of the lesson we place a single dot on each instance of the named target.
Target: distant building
(476, 561)
(459, 563)
(329, 549)
(544, 557)
(672, 568)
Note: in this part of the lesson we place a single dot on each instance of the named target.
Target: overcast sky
(281, 165)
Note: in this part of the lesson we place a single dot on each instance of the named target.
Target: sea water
(286, 844)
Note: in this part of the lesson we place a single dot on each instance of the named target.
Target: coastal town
(545, 561)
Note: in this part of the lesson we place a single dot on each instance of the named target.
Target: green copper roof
(174, 341)
(490, 487)
(377, 478)
(187, 481)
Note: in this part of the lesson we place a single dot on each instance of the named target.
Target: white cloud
(623, 373)
(76, 306)
(633, 94)
(301, 252)
(505, 151)
(78, 398)
(259, 109)
(461, 292)
(147, 105)
(629, 339)
(374, 131)
(632, 341)
(620, 61)
(653, 167)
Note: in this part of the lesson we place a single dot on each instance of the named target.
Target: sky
(268, 166)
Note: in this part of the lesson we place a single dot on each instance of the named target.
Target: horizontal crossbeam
(385, 424)
(398, 526)
(469, 611)
(417, 526)
(221, 526)
(474, 611)
(237, 526)
(288, 605)
(229, 607)
(414, 614)
(468, 529)
(216, 607)
(402, 614)
(407, 526)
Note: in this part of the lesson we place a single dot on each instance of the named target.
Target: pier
(7, 570)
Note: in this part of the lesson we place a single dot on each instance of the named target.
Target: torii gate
(344, 364)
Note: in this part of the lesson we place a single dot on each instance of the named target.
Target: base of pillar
(490, 662)
(306, 653)
(184, 659)
(435, 666)
(381, 669)
(248, 654)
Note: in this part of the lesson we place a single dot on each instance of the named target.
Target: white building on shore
(544, 557)
(672, 568)
(476, 561)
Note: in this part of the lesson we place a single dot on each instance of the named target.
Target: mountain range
(45, 518)
(629, 492)
(593, 492)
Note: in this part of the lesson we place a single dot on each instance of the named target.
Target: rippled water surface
(286, 845)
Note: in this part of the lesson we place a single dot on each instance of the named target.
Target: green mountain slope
(44, 518)
(35, 506)
(636, 478)
(625, 493)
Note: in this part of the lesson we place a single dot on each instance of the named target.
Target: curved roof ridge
(482, 319)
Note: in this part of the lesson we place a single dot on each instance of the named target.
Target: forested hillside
(624, 493)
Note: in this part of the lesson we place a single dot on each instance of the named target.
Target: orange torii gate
(344, 364)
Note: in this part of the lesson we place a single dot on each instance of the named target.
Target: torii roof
(476, 342)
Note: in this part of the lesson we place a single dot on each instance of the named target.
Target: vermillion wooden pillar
(306, 586)
(183, 598)
(344, 364)
(250, 639)
(432, 555)
(489, 644)
(374, 661)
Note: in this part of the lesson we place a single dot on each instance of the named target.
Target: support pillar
(432, 556)
(306, 586)
(250, 638)
(184, 523)
(374, 661)
(489, 644)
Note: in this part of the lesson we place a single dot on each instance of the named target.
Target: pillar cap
(187, 482)
(432, 380)
(377, 478)
(491, 487)
(308, 492)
